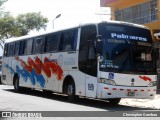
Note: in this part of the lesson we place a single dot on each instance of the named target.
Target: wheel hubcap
(70, 89)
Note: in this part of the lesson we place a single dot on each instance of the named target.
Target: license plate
(131, 94)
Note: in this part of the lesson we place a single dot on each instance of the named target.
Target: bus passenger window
(17, 46)
(51, 42)
(5, 50)
(38, 45)
(10, 49)
(28, 47)
(68, 40)
(22, 46)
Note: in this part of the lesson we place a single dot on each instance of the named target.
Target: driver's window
(87, 50)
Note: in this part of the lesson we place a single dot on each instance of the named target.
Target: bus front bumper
(108, 91)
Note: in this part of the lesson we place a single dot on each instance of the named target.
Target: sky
(72, 11)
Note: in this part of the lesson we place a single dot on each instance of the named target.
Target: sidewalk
(145, 103)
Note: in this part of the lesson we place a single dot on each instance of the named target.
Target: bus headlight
(106, 81)
(151, 84)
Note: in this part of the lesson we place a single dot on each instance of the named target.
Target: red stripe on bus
(128, 89)
(106, 88)
(114, 89)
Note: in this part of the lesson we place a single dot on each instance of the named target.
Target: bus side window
(87, 50)
(10, 49)
(38, 45)
(68, 40)
(74, 39)
(22, 47)
(17, 46)
(51, 42)
(5, 50)
(28, 46)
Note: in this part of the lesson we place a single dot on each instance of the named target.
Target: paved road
(37, 101)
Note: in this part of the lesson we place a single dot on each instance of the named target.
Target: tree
(2, 1)
(21, 25)
(1, 13)
(30, 21)
(8, 28)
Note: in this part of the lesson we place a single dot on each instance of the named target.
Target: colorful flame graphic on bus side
(48, 67)
(145, 78)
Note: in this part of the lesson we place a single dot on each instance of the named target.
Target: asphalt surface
(37, 101)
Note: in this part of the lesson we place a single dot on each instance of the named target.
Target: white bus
(103, 60)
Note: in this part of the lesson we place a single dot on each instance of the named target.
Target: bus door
(91, 76)
(88, 60)
(7, 70)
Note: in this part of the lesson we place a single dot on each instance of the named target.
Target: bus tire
(71, 92)
(114, 101)
(16, 84)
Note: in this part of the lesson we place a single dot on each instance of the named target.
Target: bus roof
(79, 25)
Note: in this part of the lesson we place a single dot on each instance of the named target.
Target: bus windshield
(126, 49)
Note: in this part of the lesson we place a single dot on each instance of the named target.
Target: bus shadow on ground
(81, 101)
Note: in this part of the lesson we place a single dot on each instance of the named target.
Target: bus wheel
(114, 101)
(71, 92)
(16, 84)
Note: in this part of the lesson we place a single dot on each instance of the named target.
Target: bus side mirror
(99, 45)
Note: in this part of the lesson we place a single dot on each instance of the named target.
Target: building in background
(144, 12)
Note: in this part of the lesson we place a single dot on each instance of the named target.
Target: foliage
(21, 25)
(2, 12)
(2, 1)
(30, 21)
(8, 27)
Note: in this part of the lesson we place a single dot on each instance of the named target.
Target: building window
(140, 14)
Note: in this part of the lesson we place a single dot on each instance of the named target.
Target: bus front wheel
(114, 101)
